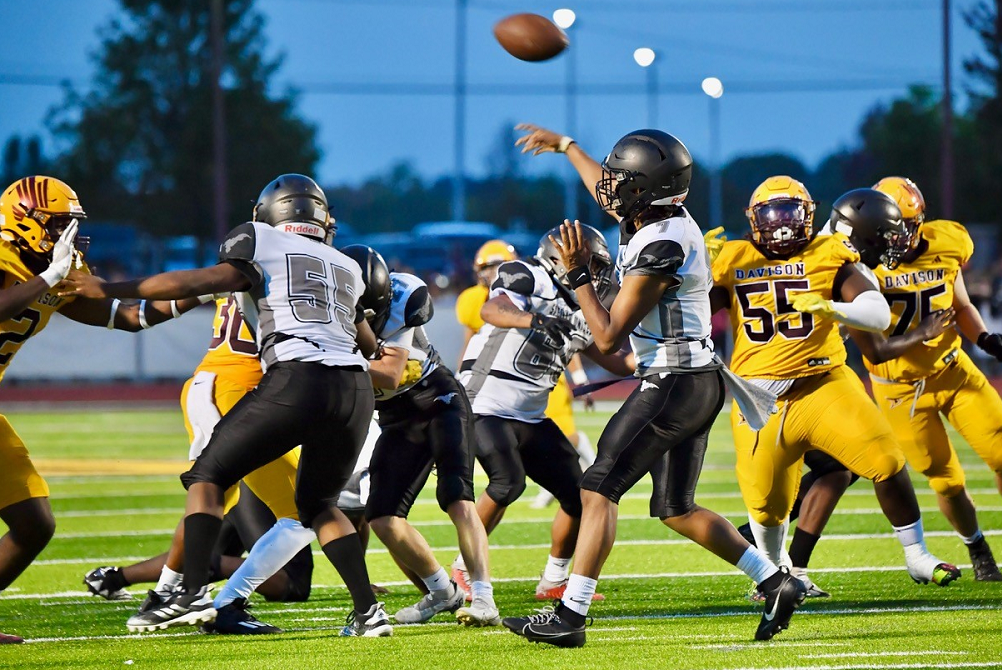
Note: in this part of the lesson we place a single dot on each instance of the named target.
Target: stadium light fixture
(713, 87)
(564, 18)
(644, 56)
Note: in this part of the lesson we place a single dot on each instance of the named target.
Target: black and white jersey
(510, 372)
(303, 295)
(675, 335)
(410, 309)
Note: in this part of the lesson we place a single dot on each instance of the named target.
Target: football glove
(559, 330)
(412, 373)
(812, 303)
(62, 256)
(991, 344)
(714, 240)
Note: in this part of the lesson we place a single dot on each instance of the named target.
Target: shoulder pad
(239, 244)
(661, 257)
(517, 277)
(419, 308)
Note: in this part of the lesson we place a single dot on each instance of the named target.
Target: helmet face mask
(782, 227)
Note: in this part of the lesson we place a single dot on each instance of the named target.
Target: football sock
(200, 533)
(586, 454)
(577, 597)
(756, 565)
(438, 583)
(269, 554)
(912, 539)
(556, 569)
(345, 554)
(168, 581)
(483, 590)
(770, 539)
(801, 547)
(973, 539)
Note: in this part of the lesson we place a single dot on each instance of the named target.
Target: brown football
(530, 37)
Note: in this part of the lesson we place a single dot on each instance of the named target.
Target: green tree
(985, 92)
(138, 144)
(21, 157)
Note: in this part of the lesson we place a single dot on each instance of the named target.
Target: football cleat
(234, 619)
(985, 568)
(10, 639)
(547, 590)
(429, 606)
(179, 608)
(107, 582)
(374, 623)
(481, 612)
(813, 590)
(780, 604)
(930, 569)
(461, 578)
(547, 626)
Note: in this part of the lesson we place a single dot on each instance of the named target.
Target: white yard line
(861, 654)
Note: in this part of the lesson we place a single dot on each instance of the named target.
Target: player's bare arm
(387, 371)
(105, 312)
(637, 296)
(622, 362)
(501, 312)
(221, 278)
(720, 298)
(970, 323)
(879, 349)
(366, 339)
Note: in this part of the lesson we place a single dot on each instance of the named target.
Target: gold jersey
(15, 331)
(916, 289)
(468, 306)
(771, 339)
(232, 353)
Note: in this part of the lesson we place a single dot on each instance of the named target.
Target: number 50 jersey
(509, 372)
(771, 339)
(302, 299)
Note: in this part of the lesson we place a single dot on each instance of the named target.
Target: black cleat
(547, 626)
(234, 619)
(780, 603)
(374, 623)
(180, 608)
(985, 568)
(107, 582)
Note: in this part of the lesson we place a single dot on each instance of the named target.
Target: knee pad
(504, 491)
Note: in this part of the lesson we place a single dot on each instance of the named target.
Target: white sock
(268, 555)
(756, 565)
(586, 455)
(911, 534)
(169, 580)
(770, 539)
(483, 591)
(556, 569)
(578, 595)
(439, 581)
(973, 538)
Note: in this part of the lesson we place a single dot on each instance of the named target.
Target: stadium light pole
(714, 88)
(565, 19)
(219, 196)
(459, 144)
(946, 148)
(645, 57)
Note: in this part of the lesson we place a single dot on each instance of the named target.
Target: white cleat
(481, 612)
(429, 606)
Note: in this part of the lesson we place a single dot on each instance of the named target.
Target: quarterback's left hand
(412, 372)
(574, 253)
(714, 240)
(82, 285)
(991, 344)
(812, 303)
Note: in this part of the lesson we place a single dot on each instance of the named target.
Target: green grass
(669, 603)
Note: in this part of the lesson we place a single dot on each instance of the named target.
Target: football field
(669, 604)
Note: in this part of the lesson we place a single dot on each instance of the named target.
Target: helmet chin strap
(311, 230)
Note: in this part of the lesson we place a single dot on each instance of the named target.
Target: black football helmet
(646, 167)
(296, 204)
(378, 294)
(872, 221)
(601, 260)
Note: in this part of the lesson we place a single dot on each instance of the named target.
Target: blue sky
(798, 74)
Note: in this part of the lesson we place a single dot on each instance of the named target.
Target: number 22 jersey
(509, 372)
(771, 339)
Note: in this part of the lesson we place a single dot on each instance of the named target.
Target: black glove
(991, 344)
(559, 330)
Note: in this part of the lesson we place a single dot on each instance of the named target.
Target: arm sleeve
(402, 339)
(869, 311)
(238, 250)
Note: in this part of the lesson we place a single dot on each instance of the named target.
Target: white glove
(62, 256)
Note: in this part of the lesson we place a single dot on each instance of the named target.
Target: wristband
(579, 377)
(114, 310)
(564, 144)
(579, 276)
(142, 315)
(174, 310)
(208, 297)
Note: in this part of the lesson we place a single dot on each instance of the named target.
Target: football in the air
(530, 37)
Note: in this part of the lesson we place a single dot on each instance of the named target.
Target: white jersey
(675, 335)
(302, 301)
(410, 308)
(509, 372)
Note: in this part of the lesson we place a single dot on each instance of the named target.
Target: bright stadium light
(713, 87)
(644, 56)
(564, 18)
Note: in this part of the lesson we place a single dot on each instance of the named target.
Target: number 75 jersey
(916, 289)
(771, 339)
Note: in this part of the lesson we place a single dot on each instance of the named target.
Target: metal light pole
(459, 168)
(219, 196)
(645, 57)
(714, 88)
(946, 147)
(565, 18)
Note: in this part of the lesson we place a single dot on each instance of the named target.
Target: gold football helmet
(34, 212)
(490, 255)
(910, 201)
(781, 214)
